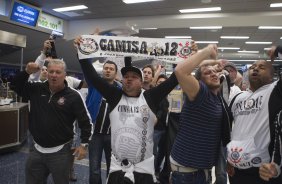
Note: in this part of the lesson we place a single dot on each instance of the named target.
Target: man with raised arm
(53, 108)
(132, 117)
(204, 120)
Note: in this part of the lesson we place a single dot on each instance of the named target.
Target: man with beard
(253, 133)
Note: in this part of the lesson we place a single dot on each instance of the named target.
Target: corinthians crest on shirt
(61, 101)
(242, 159)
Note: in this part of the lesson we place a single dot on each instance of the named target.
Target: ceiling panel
(117, 9)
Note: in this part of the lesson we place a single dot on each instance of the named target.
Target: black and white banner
(168, 50)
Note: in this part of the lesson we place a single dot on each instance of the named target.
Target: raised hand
(213, 50)
(32, 67)
(47, 45)
(194, 47)
(270, 53)
(77, 41)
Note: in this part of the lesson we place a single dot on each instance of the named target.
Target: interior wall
(34, 45)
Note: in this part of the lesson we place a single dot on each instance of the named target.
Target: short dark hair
(111, 62)
(269, 65)
(152, 68)
(162, 76)
(198, 73)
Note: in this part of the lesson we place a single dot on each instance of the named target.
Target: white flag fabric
(168, 50)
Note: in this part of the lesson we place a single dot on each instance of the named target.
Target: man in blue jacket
(99, 111)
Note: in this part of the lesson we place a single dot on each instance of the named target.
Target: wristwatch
(85, 145)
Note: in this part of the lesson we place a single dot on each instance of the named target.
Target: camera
(52, 51)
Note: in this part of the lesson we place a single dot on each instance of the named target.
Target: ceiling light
(274, 60)
(228, 48)
(234, 37)
(250, 60)
(266, 48)
(275, 5)
(70, 8)
(180, 37)
(207, 27)
(195, 10)
(270, 27)
(138, 1)
(206, 1)
(248, 51)
(259, 43)
(280, 38)
(206, 41)
(148, 28)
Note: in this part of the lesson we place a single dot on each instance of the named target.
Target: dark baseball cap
(126, 69)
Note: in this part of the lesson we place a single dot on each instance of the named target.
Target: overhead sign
(169, 50)
(24, 14)
(50, 22)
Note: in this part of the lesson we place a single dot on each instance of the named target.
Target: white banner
(168, 50)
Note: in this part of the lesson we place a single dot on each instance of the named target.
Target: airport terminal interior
(243, 30)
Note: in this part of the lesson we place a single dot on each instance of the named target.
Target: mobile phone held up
(52, 51)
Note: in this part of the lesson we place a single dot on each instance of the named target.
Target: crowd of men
(238, 132)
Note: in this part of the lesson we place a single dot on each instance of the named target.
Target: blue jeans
(198, 177)
(98, 144)
(220, 168)
(158, 134)
(40, 165)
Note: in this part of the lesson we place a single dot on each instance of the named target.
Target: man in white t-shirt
(267, 170)
(252, 139)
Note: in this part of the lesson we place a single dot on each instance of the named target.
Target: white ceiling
(238, 18)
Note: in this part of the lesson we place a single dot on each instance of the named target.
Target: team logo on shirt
(235, 155)
(61, 101)
(144, 110)
(256, 160)
(88, 46)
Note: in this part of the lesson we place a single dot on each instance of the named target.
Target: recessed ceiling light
(207, 27)
(259, 43)
(180, 37)
(70, 8)
(270, 27)
(206, 1)
(248, 51)
(148, 28)
(234, 37)
(275, 5)
(87, 12)
(234, 60)
(280, 38)
(138, 1)
(274, 60)
(206, 41)
(195, 10)
(266, 48)
(228, 48)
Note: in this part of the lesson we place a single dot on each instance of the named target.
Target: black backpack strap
(233, 99)
(230, 106)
